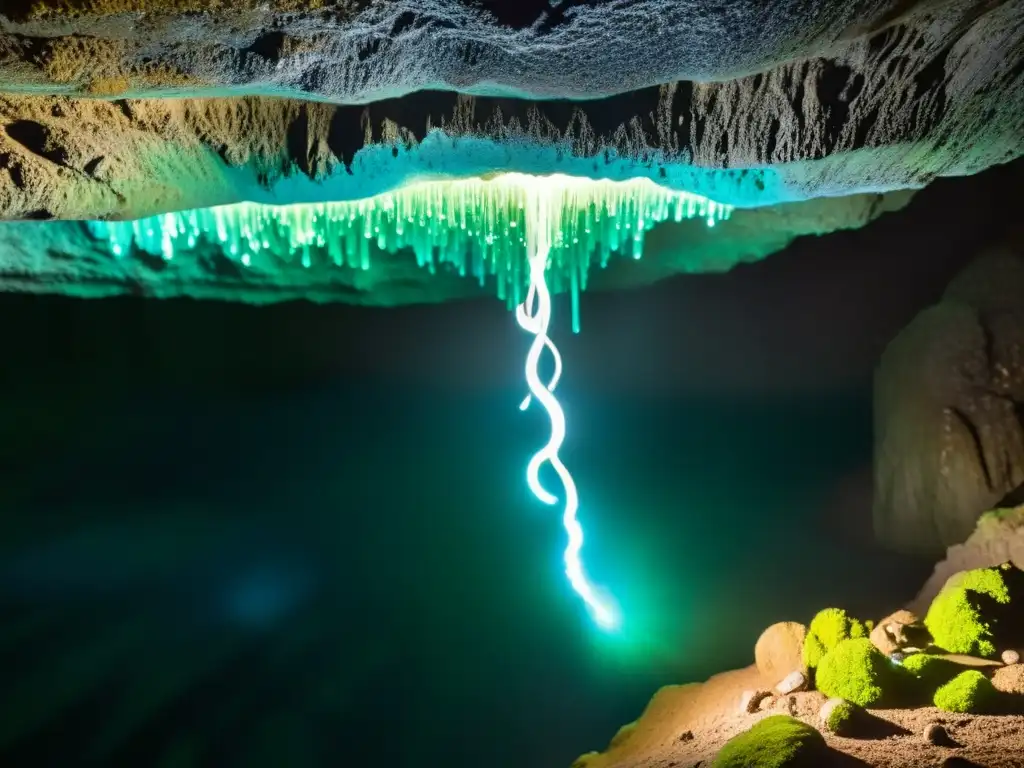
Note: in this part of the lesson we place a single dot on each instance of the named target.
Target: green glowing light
(474, 227)
(534, 316)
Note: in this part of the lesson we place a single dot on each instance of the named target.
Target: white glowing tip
(534, 316)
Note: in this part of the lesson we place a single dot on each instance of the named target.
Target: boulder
(949, 410)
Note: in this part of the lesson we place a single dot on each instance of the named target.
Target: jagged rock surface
(949, 410)
(286, 101)
(790, 100)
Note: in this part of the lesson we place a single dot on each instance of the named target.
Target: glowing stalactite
(473, 227)
(534, 316)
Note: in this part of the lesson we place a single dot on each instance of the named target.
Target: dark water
(298, 576)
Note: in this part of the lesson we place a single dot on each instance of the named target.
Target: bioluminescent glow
(532, 235)
(534, 316)
(469, 226)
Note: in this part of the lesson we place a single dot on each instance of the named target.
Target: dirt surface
(685, 727)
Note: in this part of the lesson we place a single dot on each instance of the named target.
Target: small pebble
(795, 681)
(1010, 657)
(935, 734)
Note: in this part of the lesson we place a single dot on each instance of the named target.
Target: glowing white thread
(534, 316)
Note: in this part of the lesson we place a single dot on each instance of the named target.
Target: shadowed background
(300, 535)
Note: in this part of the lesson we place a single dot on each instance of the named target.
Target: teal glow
(472, 227)
(534, 316)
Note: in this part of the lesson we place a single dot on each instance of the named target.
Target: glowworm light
(534, 316)
(538, 234)
(471, 227)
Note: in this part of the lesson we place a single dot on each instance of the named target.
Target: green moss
(830, 627)
(969, 692)
(779, 741)
(857, 671)
(932, 671)
(954, 618)
(840, 717)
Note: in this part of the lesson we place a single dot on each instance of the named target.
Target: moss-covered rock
(857, 671)
(956, 617)
(837, 716)
(826, 630)
(930, 670)
(969, 692)
(779, 741)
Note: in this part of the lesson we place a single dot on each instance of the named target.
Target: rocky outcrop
(949, 410)
(742, 102)
(121, 109)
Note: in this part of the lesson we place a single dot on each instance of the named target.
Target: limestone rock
(763, 106)
(1010, 657)
(791, 683)
(779, 650)
(949, 410)
(891, 633)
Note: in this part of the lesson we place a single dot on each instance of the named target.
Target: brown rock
(1009, 679)
(935, 733)
(1010, 657)
(946, 391)
(750, 701)
(779, 650)
(890, 635)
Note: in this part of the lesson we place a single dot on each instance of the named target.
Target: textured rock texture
(998, 539)
(126, 108)
(752, 103)
(949, 410)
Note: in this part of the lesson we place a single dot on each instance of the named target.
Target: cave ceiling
(799, 117)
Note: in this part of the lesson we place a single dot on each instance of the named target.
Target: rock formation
(949, 410)
(125, 108)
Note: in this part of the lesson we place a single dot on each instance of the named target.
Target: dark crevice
(773, 140)
(36, 138)
(972, 430)
(269, 46)
(832, 91)
(297, 141)
(40, 214)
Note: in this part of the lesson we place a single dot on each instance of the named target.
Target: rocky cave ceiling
(806, 116)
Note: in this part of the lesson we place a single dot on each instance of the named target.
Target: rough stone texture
(949, 410)
(1009, 679)
(779, 651)
(998, 538)
(757, 103)
(283, 101)
(890, 634)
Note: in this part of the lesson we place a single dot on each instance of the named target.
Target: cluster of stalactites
(475, 226)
